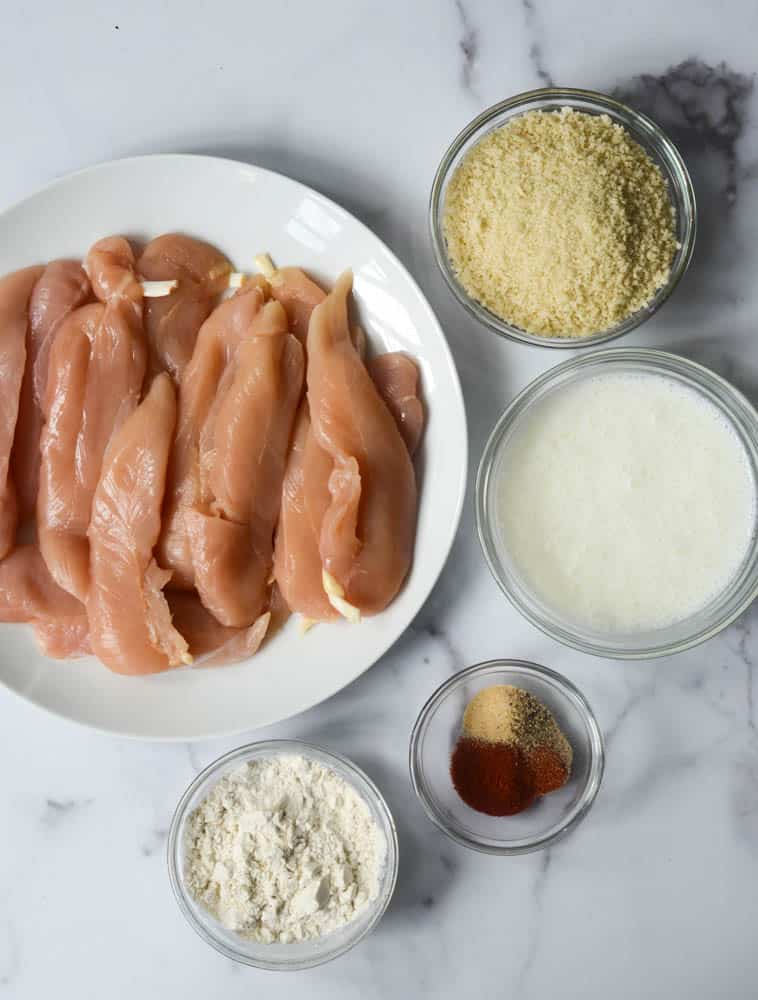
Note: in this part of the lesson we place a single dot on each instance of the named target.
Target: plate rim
(306, 189)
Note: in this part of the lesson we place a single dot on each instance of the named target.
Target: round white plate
(244, 211)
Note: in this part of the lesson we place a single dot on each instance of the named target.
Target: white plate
(244, 211)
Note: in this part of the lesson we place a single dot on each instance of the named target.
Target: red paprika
(500, 779)
(492, 778)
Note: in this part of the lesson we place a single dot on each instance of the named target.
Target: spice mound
(283, 850)
(510, 752)
(560, 223)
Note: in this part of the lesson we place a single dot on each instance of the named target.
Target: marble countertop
(654, 894)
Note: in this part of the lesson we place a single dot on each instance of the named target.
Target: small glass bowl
(690, 631)
(644, 131)
(552, 816)
(302, 954)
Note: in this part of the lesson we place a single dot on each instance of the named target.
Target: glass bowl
(552, 816)
(301, 954)
(690, 631)
(644, 131)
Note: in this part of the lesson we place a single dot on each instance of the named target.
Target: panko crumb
(560, 223)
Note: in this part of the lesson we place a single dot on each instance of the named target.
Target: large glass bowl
(301, 954)
(690, 631)
(552, 816)
(644, 131)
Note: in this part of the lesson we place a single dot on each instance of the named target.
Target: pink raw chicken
(119, 353)
(63, 502)
(396, 377)
(245, 315)
(92, 388)
(62, 288)
(299, 295)
(130, 620)
(305, 495)
(172, 322)
(15, 293)
(29, 594)
(210, 643)
(305, 499)
(231, 532)
(366, 540)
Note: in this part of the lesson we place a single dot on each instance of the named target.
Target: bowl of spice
(506, 757)
(282, 855)
(562, 218)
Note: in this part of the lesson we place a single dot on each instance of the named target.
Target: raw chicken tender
(305, 499)
(29, 594)
(130, 620)
(118, 357)
(62, 288)
(299, 295)
(396, 377)
(172, 322)
(92, 388)
(245, 315)
(63, 501)
(15, 293)
(367, 533)
(210, 643)
(231, 533)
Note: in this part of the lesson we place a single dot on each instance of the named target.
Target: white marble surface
(655, 894)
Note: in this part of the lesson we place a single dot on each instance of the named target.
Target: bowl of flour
(282, 855)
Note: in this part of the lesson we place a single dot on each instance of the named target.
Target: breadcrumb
(560, 223)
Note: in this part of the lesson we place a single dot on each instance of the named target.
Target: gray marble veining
(535, 36)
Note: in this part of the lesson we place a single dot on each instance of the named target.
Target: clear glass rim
(365, 787)
(733, 405)
(637, 122)
(584, 803)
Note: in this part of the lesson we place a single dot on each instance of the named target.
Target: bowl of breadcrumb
(562, 218)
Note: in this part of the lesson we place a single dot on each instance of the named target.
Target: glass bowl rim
(676, 173)
(664, 362)
(360, 782)
(595, 740)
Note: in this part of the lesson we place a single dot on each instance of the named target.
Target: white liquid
(626, 502)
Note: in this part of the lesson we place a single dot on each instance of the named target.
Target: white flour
(283, 849)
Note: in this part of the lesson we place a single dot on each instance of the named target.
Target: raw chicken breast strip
(62, 288)
(130, 620)
(63, 502)
(244, 315)
(91, 390)
(299, 295)
(305, 500)
(367, 533)
(172, 322)
(231, 534)
(118, 357)
(15, 293)
(396, 377)
(305, 495)
(29, 594)
(210, 643)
